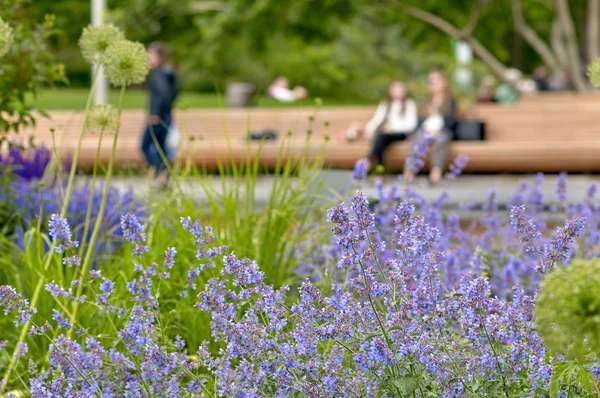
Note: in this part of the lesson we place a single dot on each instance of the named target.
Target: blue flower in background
(24, 198)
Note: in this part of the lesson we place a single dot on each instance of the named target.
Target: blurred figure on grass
(281, 91)
(162, 92)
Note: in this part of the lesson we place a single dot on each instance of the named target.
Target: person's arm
(377, 119)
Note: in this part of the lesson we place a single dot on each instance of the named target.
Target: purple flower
(360, 171)
(170, 258)
(22, 350)
(415, 161)
(561, 188)
(133, 232)
(60, 231)
(559, 248)
(527, 230)
(60, 320)
(457, 166)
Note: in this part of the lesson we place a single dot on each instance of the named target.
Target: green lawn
(75, 98)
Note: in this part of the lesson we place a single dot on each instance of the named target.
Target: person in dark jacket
(162, 92)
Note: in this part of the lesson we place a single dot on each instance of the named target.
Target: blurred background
(344, 51)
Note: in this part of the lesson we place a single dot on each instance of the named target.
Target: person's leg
(378, 149)
(382, 142)
(440, 152)
(146, 146)
(160, 134)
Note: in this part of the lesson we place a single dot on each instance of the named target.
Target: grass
(67, 98)
(279, 236)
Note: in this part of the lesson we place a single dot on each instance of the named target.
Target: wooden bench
(548, 133)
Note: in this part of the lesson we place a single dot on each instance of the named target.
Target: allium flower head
(6, 37)
(126, 63)
(567, 311)
(103, 117)
(594, 73)
(95, 40)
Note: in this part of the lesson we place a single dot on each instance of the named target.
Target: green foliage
(567, 313)
(28, 66)
(573, 378)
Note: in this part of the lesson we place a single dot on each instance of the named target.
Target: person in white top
(280, 91)
(395, 119)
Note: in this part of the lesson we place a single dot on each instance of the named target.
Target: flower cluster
(24, 199)
(415, 161)
(125, 61)
(26, 164)
(413, 303)
(457, 166)
(133, 232)
(361, 169)
(95, 40)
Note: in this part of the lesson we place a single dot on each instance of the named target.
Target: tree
(561, 52)
(28, 66)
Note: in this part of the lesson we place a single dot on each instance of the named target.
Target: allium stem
(96, 231)
(88, 215)
(88, 105)
(596, 387)
(40, 283)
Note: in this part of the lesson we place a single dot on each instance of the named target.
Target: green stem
(88, 105)
(489, 339)
(96, 231)
(88, 215)
(40, 283)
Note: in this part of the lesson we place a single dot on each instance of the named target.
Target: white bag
(172, 142)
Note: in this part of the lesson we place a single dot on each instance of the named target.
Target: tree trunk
(574, 59)
(533, 39)
(483, 53)
(592, 30)
(558, 45)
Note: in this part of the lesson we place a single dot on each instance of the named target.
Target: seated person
(439, 122)
(486, 93)
(395, 119)
(280, 91)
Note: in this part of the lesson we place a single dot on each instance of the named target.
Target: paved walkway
(466, 189)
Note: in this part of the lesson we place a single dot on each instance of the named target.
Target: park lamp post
(101, 94)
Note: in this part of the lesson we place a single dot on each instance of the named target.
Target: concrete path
(465, 189)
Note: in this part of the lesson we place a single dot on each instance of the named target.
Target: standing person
(395, 120)
(162, 92)
(439, 122)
